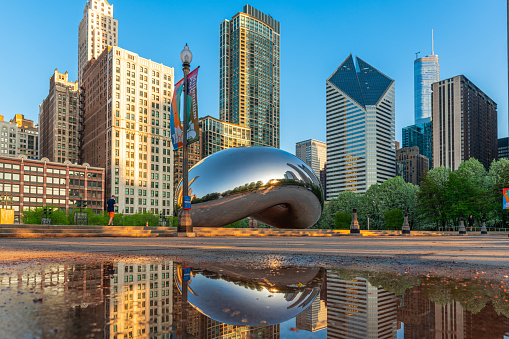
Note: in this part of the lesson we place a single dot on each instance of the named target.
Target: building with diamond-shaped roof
(360, 127)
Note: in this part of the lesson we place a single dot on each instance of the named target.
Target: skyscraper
(503, 148)
(426, 72)
(411, 165)
(464, 123)
(59, 120)
(420, 136)
(97, 30)
(249, 74)
(360, 127)
(313, 153)
(126, 129)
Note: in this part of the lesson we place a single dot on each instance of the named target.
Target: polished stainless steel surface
(268, 184)
(251, 297)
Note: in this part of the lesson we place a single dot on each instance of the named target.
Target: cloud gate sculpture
(251, 296)
(267, 184)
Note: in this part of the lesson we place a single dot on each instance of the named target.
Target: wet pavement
(443, 287)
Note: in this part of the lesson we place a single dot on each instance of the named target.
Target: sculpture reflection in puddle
(268, 184)
(239, 296)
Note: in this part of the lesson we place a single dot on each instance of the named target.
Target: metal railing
(474, 229)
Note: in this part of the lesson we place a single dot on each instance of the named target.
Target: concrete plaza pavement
(472, 250)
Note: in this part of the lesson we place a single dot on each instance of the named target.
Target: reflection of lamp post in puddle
(184, 275)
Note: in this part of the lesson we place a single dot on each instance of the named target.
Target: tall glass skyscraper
(249, 74)
(426, 72)
(360, 106)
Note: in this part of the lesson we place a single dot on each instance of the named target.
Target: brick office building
(36, 183)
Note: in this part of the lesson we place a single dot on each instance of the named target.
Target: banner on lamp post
(193, 125)
(505, 194)
(175, 126)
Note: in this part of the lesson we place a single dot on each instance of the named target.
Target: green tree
(466, 191)
(431, 196)
(498, 179)
(342, 220)
(395, 193)
(370, 207)
(393, 219)
(345, 202)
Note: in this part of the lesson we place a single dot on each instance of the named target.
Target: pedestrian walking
(471, 222)
(111, 209)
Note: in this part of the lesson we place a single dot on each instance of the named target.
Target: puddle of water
(165, 299)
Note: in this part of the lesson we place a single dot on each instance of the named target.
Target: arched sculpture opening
(267, 184)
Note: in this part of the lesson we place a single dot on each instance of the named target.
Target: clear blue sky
(316, 36)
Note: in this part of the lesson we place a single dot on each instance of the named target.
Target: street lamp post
(185, 224)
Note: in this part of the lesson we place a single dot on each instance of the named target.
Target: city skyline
(302, 93)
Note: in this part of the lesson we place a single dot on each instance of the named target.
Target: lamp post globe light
(185, 224)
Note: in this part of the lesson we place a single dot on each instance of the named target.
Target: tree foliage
(442, 198)
(393, 219)
(342, 220)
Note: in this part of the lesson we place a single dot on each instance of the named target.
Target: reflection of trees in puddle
(472, 294)
(432, 306)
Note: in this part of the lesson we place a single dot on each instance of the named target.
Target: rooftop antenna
(417, 55)
(432, 44)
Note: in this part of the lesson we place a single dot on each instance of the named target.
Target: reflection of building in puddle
(218, 330)
(416, 311)
(447, 318)
(140, 301)
(70, 295)
(314, 318)
(357, 309)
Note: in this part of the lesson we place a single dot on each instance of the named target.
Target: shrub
(34, 215)
(393, 219)
(342, 220)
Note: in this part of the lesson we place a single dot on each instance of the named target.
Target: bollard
(405, 230)
(354, 226)
(462, 229)
(484, 231)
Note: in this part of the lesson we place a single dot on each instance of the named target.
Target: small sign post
(187, 202)
(505, 194)
(186, 275)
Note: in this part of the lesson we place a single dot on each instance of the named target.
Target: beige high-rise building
(126, 110)
(218, 135)
(8, 138)
(313, 153)
(58, 120)
(28, 136)
(249, 88)
(19, 136)
(97, 30)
